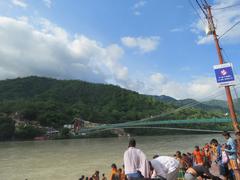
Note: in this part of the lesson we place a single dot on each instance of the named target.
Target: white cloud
(48, 3)
(24, 19)
(177, 30)
(224, 19)
(137, 13)
(19, 3)
(137, 6)
(51, 51)
(144, 44)
(201, 88)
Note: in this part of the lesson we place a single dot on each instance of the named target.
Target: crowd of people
(212, 161)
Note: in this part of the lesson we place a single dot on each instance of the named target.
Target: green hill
(54, 102)
(218, 106)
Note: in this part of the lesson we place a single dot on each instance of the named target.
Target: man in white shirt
(135, 162)
(165, 166)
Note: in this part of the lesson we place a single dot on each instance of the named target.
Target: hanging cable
(236, 94)
(203, 21)
(227, 7)
(202, 3)
(234, 88)
(228, 57)
(237, 23)
(202, 8)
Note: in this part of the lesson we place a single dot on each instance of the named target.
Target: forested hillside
(56, 102)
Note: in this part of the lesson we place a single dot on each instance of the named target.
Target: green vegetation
(28, 132)
(7, 128)
(65, 133)
(53, 103)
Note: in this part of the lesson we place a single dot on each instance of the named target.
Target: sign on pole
(224, 74)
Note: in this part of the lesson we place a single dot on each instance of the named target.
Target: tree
(28, 132)
(65, 133)
(54, 119)
(7, 128)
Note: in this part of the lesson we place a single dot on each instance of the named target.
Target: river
(69, 159)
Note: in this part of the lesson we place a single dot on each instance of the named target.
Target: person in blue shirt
(223, 167)
(232, 154)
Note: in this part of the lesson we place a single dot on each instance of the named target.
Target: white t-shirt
(134, 160)
(164, 165)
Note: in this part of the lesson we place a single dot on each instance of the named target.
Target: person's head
(225, 146)
(197, 148)
(132, 143)
(97, 173)
(103, 175)
(155, 156)
(214, 142)
(226, 134)
(81, 178)
(120, 170)
(206, 146)
(178, 154)
(114, 166)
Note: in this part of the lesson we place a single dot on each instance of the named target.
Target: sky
(153, 47)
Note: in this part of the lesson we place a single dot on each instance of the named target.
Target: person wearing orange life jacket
(197, 156)
(114, 173)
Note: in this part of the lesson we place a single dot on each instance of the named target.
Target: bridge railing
(155, 122)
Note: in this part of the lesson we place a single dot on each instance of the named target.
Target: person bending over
(165, 167)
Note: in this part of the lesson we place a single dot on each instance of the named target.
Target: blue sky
(150, 46)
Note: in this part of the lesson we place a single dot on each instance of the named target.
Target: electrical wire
(206, 2)
(198, 14)
(238, 78)
(202, 3)
(228, 57)
(202, 9)
(227, 7)
(225, 54)
(237, 23)
(234, 88)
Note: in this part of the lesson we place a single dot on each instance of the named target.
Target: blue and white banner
(224, 74)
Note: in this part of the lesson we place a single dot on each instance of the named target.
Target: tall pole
(227, 88)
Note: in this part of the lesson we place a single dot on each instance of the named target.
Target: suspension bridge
(159, 124)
